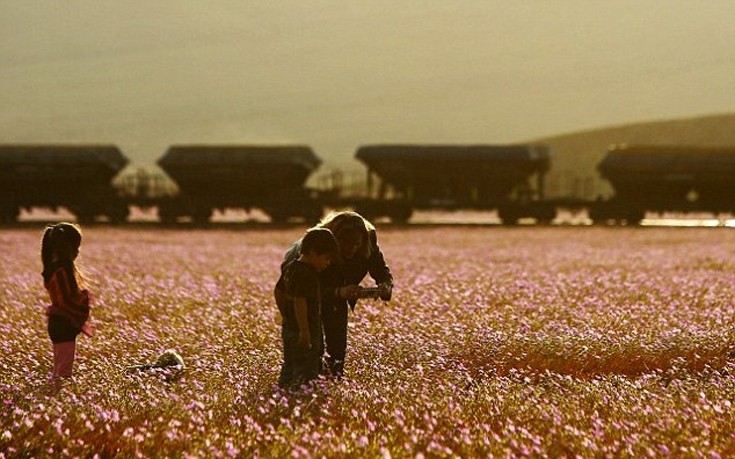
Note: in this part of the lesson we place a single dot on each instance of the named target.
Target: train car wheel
(85, 218)
(84, 214)
(168, 211)
(277, 215)
(201, 216)
(119, 214)
(508, 215)
(634, 217)
(401, 215)
(545, 214)
(9, 214)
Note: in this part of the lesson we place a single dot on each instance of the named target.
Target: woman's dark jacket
(348, 272)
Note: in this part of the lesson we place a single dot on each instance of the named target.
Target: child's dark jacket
(298, 279)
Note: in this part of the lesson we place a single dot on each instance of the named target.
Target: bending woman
(359, 255)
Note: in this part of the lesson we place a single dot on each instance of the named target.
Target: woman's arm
(377, 267)
(379, 270)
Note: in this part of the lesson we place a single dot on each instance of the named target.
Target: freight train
(508, 179)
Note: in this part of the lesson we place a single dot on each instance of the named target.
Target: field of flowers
(505, 342)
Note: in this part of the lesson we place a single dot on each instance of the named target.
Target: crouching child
(298, 297)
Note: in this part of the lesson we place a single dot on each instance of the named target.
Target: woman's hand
(386, 291)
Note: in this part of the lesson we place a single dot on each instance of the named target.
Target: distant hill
(576, 155)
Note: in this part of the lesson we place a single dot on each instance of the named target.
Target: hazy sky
(337, 74)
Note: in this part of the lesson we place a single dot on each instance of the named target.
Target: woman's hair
(60, 241)
(345, 222)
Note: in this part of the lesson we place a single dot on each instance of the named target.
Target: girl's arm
(72, 299)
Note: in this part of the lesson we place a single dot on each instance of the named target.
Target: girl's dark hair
(60, 240)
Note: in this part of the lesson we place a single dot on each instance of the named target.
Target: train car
(270, 178)
(659, 178)
(506, 178)
(77, 177)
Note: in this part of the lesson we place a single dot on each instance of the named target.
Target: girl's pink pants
(63, 359)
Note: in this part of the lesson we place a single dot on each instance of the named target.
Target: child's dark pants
(300, 364)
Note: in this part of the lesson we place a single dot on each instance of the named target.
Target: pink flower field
(500, 342)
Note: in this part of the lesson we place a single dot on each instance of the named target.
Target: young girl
(69, 310)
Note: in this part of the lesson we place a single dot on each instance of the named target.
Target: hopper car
(659, 179)
(505, 178)
(401, 178)
(77, 177)
(271, 178)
